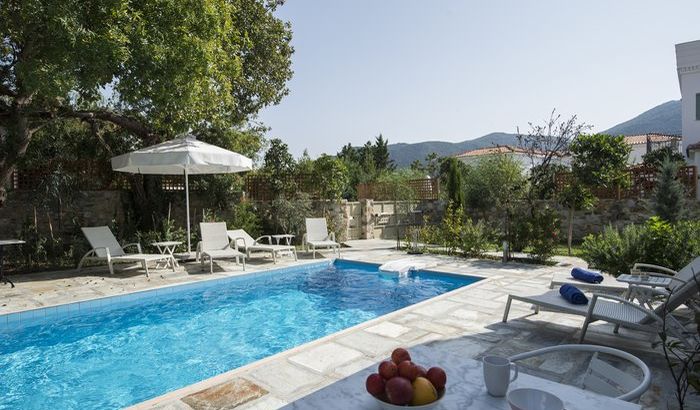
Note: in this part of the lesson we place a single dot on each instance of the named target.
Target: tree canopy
(599, 160)
(153, 68)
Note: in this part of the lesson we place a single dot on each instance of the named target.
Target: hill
(403, 154)
(664, 118)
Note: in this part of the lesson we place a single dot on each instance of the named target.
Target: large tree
(152, 67)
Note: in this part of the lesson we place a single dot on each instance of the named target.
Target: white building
(639, 145)
(688, 66)
(643, 143)
(471, 157)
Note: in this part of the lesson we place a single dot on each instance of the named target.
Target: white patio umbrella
(182, 155)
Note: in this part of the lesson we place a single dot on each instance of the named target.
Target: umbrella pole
(187, 205)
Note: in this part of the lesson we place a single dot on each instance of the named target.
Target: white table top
(166, 243)
(4, 242)
(646, 280)
(465, 388)
(283, 235)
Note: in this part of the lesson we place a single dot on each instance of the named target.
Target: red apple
(375, 384)
(388, 369)
(399, 391)
(437, 377)
(422, 372)
(408, 370)
(399, 355)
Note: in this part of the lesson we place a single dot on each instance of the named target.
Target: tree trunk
(571, 229)
(15, 145)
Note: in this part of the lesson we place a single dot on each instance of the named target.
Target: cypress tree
(669, 195)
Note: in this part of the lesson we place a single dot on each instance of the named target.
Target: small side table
(287, 238)
(3, 243)
(167, 248)
(643, 280)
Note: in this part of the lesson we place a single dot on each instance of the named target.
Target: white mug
(497, 374)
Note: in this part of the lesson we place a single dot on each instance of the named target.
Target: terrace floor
(466, 322)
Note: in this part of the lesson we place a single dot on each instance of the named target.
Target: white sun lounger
(242, 239)
(215, 244)
(678, 279)
(106, 248)
(616, 310)
(317, 236)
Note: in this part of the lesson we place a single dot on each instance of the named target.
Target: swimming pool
(110, 355)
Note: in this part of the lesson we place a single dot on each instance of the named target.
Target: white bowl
(389, 406)
(533, 399)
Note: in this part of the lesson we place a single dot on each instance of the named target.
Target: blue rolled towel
(586, 275)
(573, 295)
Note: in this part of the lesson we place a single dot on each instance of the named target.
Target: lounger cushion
(271, 248)
(222, 253)
(140, 257)
(321, 244)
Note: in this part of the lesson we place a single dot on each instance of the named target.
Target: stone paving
(466, 321)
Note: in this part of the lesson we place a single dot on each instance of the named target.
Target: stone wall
(92, 207)
(364, 219)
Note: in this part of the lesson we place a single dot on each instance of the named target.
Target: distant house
(471, 157)
(639, 144)
(643, 143)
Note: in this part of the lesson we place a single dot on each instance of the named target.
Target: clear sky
(456, 70)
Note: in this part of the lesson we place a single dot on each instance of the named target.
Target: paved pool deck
(466, 322)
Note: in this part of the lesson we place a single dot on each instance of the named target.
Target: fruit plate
(388, 406)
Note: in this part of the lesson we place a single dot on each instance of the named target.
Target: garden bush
(520, 231)
(544, 234)
(475, 238)
(461, 233)
(245, 216)
(452, 228)
(430, 234)
(657, 242)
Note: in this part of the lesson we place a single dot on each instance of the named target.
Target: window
(697, 107)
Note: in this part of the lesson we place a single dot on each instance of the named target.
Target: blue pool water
(119, 356)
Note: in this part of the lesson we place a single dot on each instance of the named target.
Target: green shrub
(452, 228)
(615, 251)
(674, 247)
(475, 238)
(430, 233)
(668, 197)
(657, 242)
(245, 217)
(520, 231)
(544, 234)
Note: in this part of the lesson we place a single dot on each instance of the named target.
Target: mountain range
(664, 118)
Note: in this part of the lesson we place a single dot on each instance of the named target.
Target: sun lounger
(317, 236)
(106, 248)
(243, 240)
(215, 244)
(608, 285)
(617, 310)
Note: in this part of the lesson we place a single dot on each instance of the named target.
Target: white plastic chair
(215, 244)
(106, 248)
(601, 377)
(317, 236)
(253, 245)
